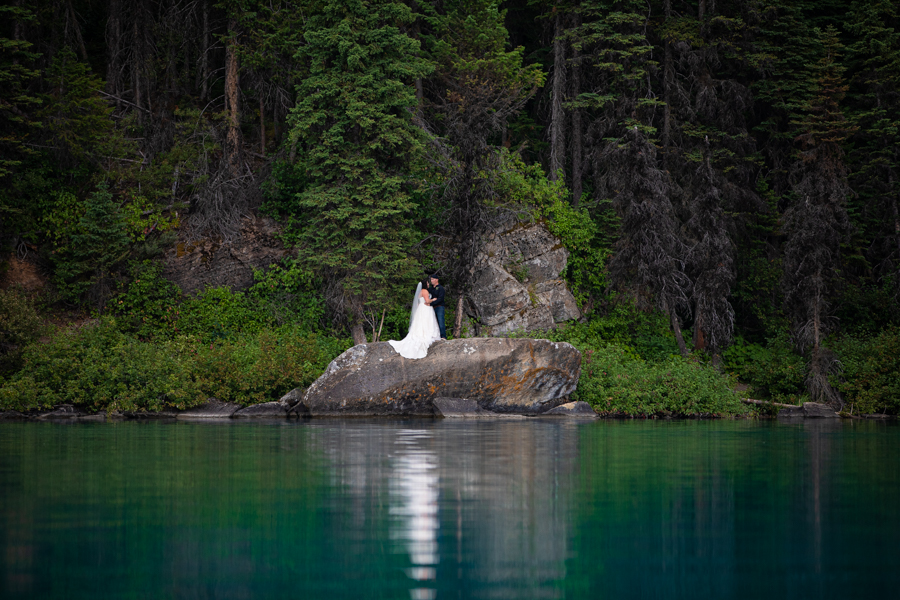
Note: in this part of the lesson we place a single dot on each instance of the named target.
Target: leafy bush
(289, 295)
(20, 324)
(775, 371)
(149, 305)
(615, 383)
(98, 367)
(616, 380)
(265, 366)
(871, 376)
(218, 314)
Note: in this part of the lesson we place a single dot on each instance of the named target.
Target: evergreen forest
(725, 175)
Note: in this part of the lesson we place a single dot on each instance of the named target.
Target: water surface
(449, 509)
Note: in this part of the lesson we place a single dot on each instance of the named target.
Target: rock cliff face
(208, 263)
(518, 286)
(517, 376)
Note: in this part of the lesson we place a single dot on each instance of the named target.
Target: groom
(437, 303)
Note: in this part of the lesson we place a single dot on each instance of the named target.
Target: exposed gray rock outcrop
(516, 376)
(518, 284)
(210, 263)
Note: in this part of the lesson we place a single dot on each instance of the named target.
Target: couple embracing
(426, 323)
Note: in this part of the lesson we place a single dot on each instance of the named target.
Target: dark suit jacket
(437, 295)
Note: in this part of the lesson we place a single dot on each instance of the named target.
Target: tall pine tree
(816, 222)
(354, 122)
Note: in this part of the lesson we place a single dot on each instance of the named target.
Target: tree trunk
(676, 329)
(232, 101)
(557, 116)
(577, 143)
(667, 96)
(358, 333)
(139, 57)
(457, 326)
(73, 29)
(18, 33)
(204, 54)
(699, 335)
(701, 9)
(114, 41)
(262, 126)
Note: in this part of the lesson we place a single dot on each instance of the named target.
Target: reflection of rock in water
(478, 502)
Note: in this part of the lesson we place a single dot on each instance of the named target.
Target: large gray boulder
(516, 376)
(517, 282)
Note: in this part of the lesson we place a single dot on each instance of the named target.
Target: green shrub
(774, 371)
(219, 314)
(614, 382)
(20, 324)
(98, 367)
(870, 381)
(149, 305)
(617, 380)
(264, 366)
(289, 295)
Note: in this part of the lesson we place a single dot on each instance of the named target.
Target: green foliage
(774, 370)
(15, 73)
(289, 295)
(20, 325)
(630, 366)
(613, 383)
(352, 220)
(75, 119)
(576, 230)
(218, 314)
(263, 366)
(98, 244)
(61, 214)
(148, 306)
(143, 216)
(98, 367)
(870, 382)
(641, 334)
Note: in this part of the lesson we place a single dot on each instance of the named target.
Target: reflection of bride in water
(414, 484)
(423, 328)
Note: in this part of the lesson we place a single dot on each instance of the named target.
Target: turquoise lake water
(531, 508)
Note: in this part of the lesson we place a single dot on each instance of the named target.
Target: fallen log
(766, 403)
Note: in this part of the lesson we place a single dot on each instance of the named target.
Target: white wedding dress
(423, 330)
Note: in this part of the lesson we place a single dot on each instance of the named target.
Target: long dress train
(422, 332)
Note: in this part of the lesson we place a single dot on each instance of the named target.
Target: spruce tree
(710, 263)
(479, 85)
(84, 265)
(816, 222)
(874, 60)
(354, 122)
(617, 61)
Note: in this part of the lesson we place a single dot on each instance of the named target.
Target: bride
(423, 328)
